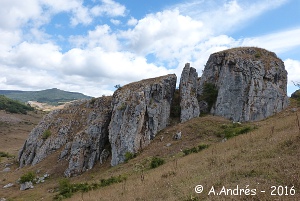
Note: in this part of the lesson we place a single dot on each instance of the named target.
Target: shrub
(5, 154)
(155, 162)
(129, 156)
(202, 146)
(27, 177)
(175, 105)
(46, 134)
(257, 55)
(122, 106)
(209, 95)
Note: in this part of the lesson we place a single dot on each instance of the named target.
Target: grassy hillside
(13, 106)
(51, 96)
(255, 156)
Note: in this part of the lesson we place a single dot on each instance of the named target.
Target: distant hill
(51, 96)
(13, 106)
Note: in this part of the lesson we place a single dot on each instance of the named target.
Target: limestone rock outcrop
(140, 110)
(79, 132)
(251, 83)
(188, 88)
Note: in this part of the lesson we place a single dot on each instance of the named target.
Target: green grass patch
(234, 129)
(67, 189)
(195, 149)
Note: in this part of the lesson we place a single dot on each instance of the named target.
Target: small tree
(297, 84)
(117, 86)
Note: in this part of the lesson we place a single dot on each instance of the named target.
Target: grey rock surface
(251, 83)
(26, 186)
(140, 110)
(104, 156)
(188, 88)
(8, 185)
(80, 129)
(7, 169)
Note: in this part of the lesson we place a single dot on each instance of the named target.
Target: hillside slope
(51, 96)
(13, 106)
(265, 157)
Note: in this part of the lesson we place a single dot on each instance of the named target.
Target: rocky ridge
(81, 131)
(250, 85)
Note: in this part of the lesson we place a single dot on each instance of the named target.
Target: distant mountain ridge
(52, 96)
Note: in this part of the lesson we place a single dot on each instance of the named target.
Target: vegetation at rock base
(13, 106)
(175, 105)
(129, 156)
(209, 94)
(27, 177)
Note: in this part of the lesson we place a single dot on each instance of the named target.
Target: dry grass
(268, 156)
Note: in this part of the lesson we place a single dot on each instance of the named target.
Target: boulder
(251, 83)
(8, 185)
(188, 88)
(140, 110)
(26, 186)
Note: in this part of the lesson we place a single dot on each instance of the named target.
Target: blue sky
(90, 46)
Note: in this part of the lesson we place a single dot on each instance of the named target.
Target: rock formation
(245, 84)
(188, 93)
(140, 110)
(251, 83)
(79, 131)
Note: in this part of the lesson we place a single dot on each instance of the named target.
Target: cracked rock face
(251, 83)
(140, 110)
(79, 131)
(188, 93)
